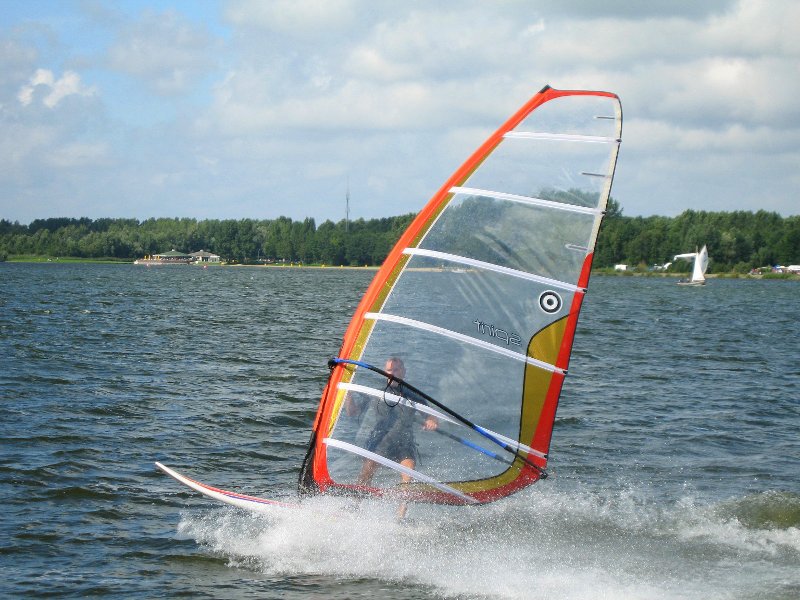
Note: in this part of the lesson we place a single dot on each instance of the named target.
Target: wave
(541, 544)
(768, 510)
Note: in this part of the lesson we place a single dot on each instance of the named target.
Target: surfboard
(251, 503)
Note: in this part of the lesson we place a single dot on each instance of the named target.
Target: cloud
(17, 60)
(384, 73)
(165, 51)
(20, 146)
(688, 9)
(233, 111)
(299, 19)
(56, 90)
(700, 84)
(78, 154)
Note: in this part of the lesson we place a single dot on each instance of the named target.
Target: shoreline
(101, 261)
(597, 272)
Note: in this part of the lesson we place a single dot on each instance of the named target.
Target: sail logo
(496, 332)
(550, 302)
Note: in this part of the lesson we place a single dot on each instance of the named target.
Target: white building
(204, 257)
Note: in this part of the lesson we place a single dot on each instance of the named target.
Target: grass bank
(32, 258)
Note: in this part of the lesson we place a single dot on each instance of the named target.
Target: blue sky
(256, 109)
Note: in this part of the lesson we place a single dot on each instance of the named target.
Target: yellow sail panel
(544, 346)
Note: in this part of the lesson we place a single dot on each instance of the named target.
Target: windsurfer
(393, 434)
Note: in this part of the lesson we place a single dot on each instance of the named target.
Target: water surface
(673, 468)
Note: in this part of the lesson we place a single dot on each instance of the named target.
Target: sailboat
(446, 384)
(464, 364)
(698, 270)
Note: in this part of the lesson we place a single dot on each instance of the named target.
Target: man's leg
(409, 463)
(367, 472)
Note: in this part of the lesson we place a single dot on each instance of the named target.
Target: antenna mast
(347, 208)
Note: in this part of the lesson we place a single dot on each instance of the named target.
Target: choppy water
(675, 455)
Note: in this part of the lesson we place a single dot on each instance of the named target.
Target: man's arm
(351, 407)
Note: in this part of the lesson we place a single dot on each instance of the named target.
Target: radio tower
(347, 208)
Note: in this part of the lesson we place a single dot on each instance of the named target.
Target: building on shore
(205, 258)
(173, 257)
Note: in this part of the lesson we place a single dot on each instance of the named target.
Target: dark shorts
(396, 445)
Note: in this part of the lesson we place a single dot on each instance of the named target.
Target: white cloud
(302, 19)
(698, 84)
(402, 73)
(164, 50)
(78, 154)
(68, 84)
(582, 9)
(754, 27)
(17, 60)
(284, 99)
(355, 105)
(19, 147)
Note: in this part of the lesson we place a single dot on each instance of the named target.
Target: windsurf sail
(477, 304)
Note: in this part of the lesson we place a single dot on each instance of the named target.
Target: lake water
(674, 464)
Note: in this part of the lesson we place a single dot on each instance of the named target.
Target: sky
(215, 109)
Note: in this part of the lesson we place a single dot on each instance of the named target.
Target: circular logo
(550, 302)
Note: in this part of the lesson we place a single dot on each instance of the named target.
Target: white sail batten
(526, 200)
(381, 394)
(562, 137)
(363, 452)
(576, 248)
(463, 260)
(463, 338)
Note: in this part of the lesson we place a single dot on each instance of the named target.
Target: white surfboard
(251, 503)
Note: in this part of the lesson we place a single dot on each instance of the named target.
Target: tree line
(737, 241)
(358, 242)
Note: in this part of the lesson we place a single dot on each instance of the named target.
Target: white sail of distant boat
(700, 265)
